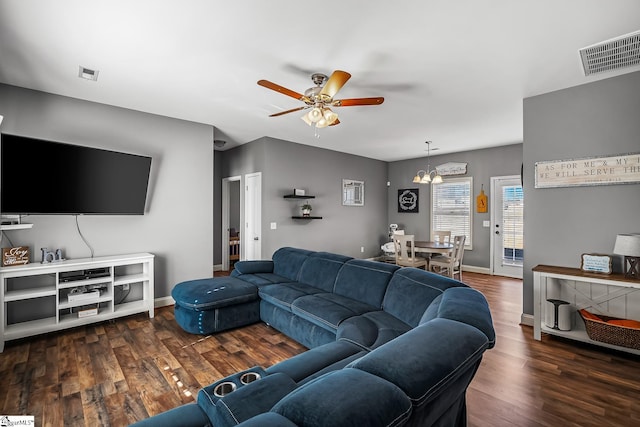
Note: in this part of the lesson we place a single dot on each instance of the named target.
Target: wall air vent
(611, 55)
(88, 74)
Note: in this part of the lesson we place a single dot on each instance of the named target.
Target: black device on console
(91, 273)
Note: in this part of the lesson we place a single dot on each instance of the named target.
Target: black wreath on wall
(408, 200)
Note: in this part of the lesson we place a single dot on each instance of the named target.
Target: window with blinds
(513, 224)
(451, 208)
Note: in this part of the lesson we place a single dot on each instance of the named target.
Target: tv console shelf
(22, 226)
(39, 298)
(608, 294)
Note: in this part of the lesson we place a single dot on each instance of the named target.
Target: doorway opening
(231, 221)
(507, 220)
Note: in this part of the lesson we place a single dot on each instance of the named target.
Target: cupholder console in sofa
(388, 346)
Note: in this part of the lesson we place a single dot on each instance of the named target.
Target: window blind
(512, 221)
(451, 208)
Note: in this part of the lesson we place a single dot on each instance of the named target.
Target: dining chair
(450, 264)
(441, 236)
(406, 251)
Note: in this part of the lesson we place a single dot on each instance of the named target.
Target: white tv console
(34, 298)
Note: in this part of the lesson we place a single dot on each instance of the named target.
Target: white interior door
(507, 224)
(252, 240)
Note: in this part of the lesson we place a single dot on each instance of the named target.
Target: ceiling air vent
(88, 74)
(611, 55)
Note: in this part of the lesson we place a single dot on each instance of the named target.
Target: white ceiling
(454, 72)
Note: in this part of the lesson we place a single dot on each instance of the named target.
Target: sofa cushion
(288, 261)
(411, 291)
(262, 279)
(371, 330)
(210, 293)
(270, 419)
(283, 295)
(320, 270)
(348, 397)
(301, 330)
(364, 281)
(447, 350)
(328, 310)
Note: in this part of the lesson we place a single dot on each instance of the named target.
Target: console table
(607, 294)
(39, 298)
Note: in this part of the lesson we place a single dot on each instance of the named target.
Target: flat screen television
(42, 177)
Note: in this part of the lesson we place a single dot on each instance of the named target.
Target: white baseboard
(474, 269)
(163, 302)
(526, 319)
(217, 267)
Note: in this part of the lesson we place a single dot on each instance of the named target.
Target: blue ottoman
(206, 306)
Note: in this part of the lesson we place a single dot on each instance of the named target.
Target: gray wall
(286, 165)
(481, 165)
(596, 119)
(178, 224)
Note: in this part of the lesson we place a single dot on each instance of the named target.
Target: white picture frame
(352, 192)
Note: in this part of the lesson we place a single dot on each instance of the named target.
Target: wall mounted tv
(42, 177)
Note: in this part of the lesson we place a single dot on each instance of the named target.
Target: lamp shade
(627, 245)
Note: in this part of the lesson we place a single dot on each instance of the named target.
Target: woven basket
(611, 334)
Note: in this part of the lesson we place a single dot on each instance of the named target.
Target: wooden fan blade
(288, 111)
(335, 82)
(357, 101)
(337, 122)
(283, 90)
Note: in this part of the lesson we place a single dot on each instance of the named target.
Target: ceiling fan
(319, 98)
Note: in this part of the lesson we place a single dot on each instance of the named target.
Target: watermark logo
(17, 421)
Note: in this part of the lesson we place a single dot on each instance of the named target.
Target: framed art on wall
(408, 200)
(352, 192)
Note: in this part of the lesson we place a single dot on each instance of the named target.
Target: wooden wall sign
(452, 168)
(596, 263)
(481, 202)
(15, 256)
(621, 169)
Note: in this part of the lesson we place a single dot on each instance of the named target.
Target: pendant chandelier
(425, 176)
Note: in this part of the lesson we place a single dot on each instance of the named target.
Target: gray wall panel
(596, 119)
(178, 224)
(481, 165)
(286, 165)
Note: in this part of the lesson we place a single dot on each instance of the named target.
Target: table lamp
(629, 246)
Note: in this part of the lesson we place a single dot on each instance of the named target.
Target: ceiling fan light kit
(319, 98)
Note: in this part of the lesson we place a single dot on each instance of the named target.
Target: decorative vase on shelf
(306, 209)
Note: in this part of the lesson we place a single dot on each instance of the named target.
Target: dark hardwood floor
(115, 373)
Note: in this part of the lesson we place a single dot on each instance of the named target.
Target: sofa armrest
(189, 415)
(468, 306)
(428, 359)
(254, 266)
(246, 401)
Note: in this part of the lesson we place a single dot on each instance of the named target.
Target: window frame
(468, 180)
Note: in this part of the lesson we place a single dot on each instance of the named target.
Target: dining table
(433, 247)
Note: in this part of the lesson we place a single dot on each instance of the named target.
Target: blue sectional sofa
(389, 346)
